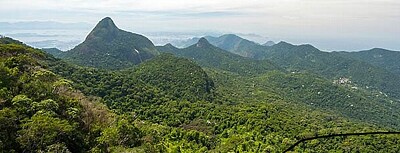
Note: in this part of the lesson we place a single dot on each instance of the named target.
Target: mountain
(383, 58)
(207, 55)
(108, 47)
(269, 43)
(186, 43)
(233, 44)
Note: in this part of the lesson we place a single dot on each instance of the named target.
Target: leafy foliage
(177, 77)
(386, 59)
(41, 131)
(153, 82)
(320, 93)
(40, 111)
(170, 104)
(119, 90)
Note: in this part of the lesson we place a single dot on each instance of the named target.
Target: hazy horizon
(329, 25)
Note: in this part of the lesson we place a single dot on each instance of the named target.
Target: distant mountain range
(232, 43)
(208, 55)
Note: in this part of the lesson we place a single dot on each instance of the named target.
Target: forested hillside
(41, 111)
(374, 70)
(306, 58)
(383, 58)
(178, 77)
(212, 101)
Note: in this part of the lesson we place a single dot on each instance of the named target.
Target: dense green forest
(309, 59)
(40, 111)
(117, 92)
(383, 58)
(48, 105)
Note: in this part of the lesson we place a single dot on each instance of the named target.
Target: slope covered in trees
(153, 82)
(177, 77)
(312, 91)
(383, 58)
(41, 112)
(375, 69)
(302, 85)
(169, 104)
(309, 59)
(239, 120)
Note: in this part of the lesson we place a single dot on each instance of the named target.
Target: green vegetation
(386, 59)
(118, 90)
(306, 58)
(375, 70)
(350, 99)
(40, 112)
(177, 77)
(153, 82)
(317, 92)
(170, 104)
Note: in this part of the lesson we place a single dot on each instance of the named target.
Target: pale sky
(326, 24)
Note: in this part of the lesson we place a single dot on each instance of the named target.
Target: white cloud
(313, 9)
(356, 19)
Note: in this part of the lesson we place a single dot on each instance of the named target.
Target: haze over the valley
(328, 25)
